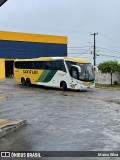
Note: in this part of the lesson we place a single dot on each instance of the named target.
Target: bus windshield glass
(87, 73)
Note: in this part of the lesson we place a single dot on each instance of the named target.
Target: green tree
(119, 69)
(109, 67)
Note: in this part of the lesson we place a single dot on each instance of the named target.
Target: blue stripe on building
(18, 49)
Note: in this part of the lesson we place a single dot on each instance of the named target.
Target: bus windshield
(87, 73)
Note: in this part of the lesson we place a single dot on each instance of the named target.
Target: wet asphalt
(60, 121)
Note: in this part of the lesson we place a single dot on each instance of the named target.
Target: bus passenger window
(50, 65)
(60, 66)
(41, 65)
(17, 64)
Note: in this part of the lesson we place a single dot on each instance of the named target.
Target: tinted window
(50, 65)
(69, 64)
(60, 66)
(56, 65)
(40, 65)
(30, 65)
(74, 72)
(22, 65)
(17, 64)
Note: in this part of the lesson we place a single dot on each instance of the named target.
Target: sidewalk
(9, 125)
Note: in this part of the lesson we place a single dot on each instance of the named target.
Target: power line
(79, 53)
(109, 49)
(85, 52)
(109, 36)
(79, 47)
(106, 55)
(103, 48)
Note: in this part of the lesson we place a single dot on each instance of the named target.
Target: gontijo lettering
(30, 71)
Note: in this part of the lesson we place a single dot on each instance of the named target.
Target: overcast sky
(76, 19)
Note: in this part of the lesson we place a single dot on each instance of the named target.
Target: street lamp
(2, 2)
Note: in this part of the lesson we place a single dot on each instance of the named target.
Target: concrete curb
(9, 125)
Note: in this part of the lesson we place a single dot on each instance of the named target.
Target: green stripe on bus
(43, 76)
(50, 76)
(47, 75)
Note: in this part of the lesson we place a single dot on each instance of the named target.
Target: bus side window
(50, 65)
(21, 65)
(60, 66)
(74, 73)
(36, 64)
(41, 65)
(17, 64)
(32, 65)
(69, 64)
(27, 65)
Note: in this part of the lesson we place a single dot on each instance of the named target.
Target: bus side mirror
(78, 67)
(95, 68)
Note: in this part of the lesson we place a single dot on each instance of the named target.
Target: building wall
(16, 49)
(25, 45)
(2, 68)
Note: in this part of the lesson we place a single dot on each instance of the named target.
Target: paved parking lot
(60, 121)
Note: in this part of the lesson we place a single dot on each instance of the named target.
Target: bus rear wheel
(63, 85)
(28, 82)
(23, 81)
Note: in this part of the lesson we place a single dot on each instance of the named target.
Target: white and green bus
(63, 72)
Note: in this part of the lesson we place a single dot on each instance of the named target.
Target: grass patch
(108, 86)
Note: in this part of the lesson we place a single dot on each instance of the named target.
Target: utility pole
(94, 57)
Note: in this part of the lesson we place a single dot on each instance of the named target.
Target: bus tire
(63, 85)
(23, 82)
(28, 82)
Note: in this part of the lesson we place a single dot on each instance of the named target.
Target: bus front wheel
(63, 85)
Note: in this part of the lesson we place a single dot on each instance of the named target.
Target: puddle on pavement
(117, 101)
(2, 97)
